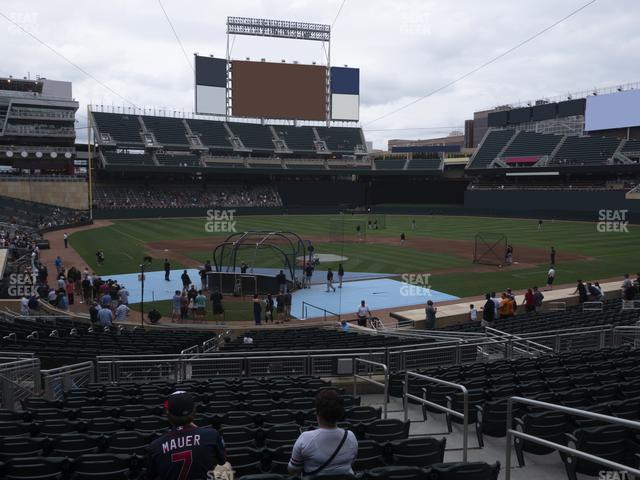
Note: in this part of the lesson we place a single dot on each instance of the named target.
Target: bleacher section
(298, 139)
(212, 134)
(390, 164)
(341, 139)
(424, 164)
(178, 160)
(172, 134)
(526, 148)
(65, 348)
(317, 339)
(253, 135)
(532, 144)
(128, 159)
(124, 129)
(586, 151)
(492, 145)
(573, 317)
(24, 213)
(167, 130)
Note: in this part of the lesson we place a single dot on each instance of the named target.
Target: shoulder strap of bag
(330, 459)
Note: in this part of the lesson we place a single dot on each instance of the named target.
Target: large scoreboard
(278, 90)
(271, 90)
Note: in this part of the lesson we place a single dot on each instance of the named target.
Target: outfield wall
(577, 204)
(59, 193)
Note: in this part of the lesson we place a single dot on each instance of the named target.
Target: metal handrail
(324, 310)
(593, 306)
(64, 374)
(384, 385)
(562, 448)
(406, 396)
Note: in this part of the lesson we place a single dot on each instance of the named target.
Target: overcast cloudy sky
(404, 49)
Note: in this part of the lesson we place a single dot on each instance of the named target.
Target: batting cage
(246, 263)
(490, 249)
(347, 229)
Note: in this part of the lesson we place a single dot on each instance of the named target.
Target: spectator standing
(176, 306)
(167, 269)
(330, 281)
(496, 305)
(122, 311)
(581, 290)
(216, 306)
(65, 237)
(628, 290)
(363, 314)
(529, 301)
(488, 311)
(257, 310)
(105, 317)
(184, 306)
(287, 306)
(473, 313)
(24, 306)
(340, 275)
(308, 273)
(281, 280)
(123, 295)
(268, 309)
(538, 298)
(70, 288)
(186, 280)
(280, 308)
(247, 339)
(551, 276)
(201, 305)
(431, 315)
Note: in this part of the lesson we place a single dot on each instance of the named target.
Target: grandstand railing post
(37, 378)
(602, 339)
(405, 391)
(458, 354)
(465, 425)
(355, 372)
(8, 400)
(556, 346)
(507, 460)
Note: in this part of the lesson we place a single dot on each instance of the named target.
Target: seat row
(237, 434)
(130, 467)
(218, 415)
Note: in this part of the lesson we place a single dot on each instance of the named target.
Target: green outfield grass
(611, 254)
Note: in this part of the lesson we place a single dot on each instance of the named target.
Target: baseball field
(442, 246)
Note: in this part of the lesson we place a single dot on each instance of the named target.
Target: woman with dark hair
(328, 449)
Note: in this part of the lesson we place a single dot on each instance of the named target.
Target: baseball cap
(180, 403)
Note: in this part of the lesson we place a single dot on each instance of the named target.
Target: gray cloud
(404, 49)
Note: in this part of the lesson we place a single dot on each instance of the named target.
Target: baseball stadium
(251, 290)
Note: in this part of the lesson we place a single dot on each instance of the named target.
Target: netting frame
(490, 248)
(380, 217)
(287, 245)
(343, 229)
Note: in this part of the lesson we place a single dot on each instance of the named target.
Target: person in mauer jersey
(187, 452)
